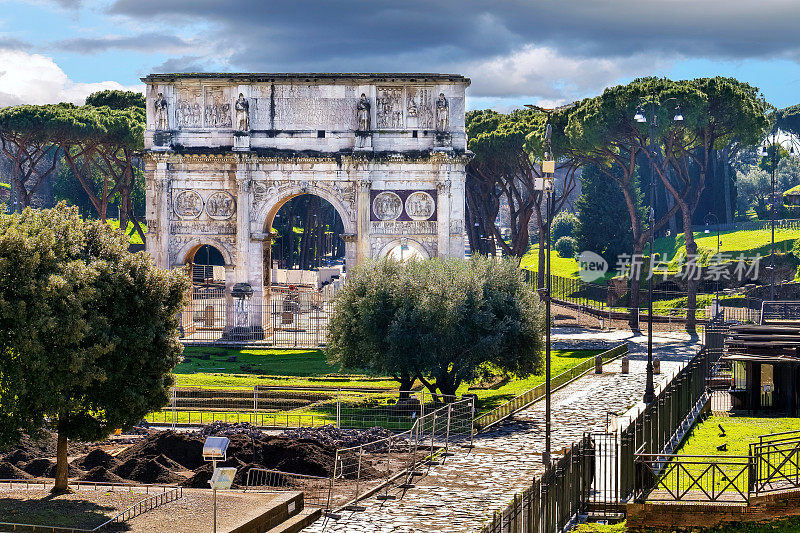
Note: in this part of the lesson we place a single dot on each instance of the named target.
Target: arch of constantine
(225, 151)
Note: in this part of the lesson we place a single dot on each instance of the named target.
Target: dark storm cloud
(543, 42)
(150, 42)
(286, 31)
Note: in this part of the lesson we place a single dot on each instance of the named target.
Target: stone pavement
(462, 494)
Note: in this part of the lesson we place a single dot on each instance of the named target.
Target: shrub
(566, 246)
(564, 225)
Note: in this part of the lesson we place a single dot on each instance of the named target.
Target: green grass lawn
(731, 242)
(559, 266)
(309, 368)
(741, 432)
(700, 450)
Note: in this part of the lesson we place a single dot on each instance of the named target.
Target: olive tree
(88, 331)
(442, 321)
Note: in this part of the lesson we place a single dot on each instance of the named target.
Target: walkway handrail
(537, 393)
(141, 507)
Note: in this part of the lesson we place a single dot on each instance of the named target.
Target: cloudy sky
(515, 51)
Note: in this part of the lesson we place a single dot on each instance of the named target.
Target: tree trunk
(726, 173)
(406, 382)
(691, 283)
(124, 205)
(62, 476)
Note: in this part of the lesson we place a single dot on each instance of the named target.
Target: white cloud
(36, 79)
(553, 78)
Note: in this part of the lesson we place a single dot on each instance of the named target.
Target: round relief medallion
(387, 206)
(420, 205)
(188, 204)
(220, 206)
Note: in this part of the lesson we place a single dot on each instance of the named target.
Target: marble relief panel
(419, 108)
(389, 107)
(189, 107)
(218, 107)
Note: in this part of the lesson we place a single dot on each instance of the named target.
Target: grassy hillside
(732, 243)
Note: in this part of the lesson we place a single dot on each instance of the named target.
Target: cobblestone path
(461, 494)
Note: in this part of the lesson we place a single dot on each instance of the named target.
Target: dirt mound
(223, 429)
(184, 449)
(334, 437)
(18, 456)
(153, 472)
(9, 471)
(100, 474)
(44, 446)
(96, 458)
(40, 468)
(296, 456)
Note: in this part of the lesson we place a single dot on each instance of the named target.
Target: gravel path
(461, 494)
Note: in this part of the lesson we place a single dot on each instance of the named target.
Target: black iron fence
(553, 500)
(772, 465)
(610, 302)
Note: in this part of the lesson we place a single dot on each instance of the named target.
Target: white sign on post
(222, 479)
(543, 184)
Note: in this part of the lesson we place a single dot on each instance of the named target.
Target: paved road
(462, 494)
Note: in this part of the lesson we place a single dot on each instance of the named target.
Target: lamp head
(639, 116)
(678, 115)
(764, 151)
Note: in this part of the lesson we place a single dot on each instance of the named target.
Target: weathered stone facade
(225, 151)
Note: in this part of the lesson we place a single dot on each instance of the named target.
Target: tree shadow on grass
(62, 511)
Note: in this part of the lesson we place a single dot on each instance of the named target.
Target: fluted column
(363, 207)
(443, 217)
(243, 224)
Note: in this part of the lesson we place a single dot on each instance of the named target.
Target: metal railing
(396, 460)
(316, 490)
(530, 396)
(148, 504)
(608, 307)
(380, 464)
(776, 462)
(693, 478)
(168, 495)
(294, 407)
(287, 318)
(772, 465)
(553, 500)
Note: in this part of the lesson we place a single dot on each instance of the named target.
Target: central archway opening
(304, 263)
(207, 266)
(306, 236)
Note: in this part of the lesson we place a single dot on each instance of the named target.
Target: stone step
(298, 522)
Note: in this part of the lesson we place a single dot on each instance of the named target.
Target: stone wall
(680, 516)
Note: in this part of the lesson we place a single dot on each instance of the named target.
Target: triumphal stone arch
(225, 151)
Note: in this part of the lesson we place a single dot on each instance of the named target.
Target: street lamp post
(546, 186)
(649, 390)
(776, 143)
(715, 306)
